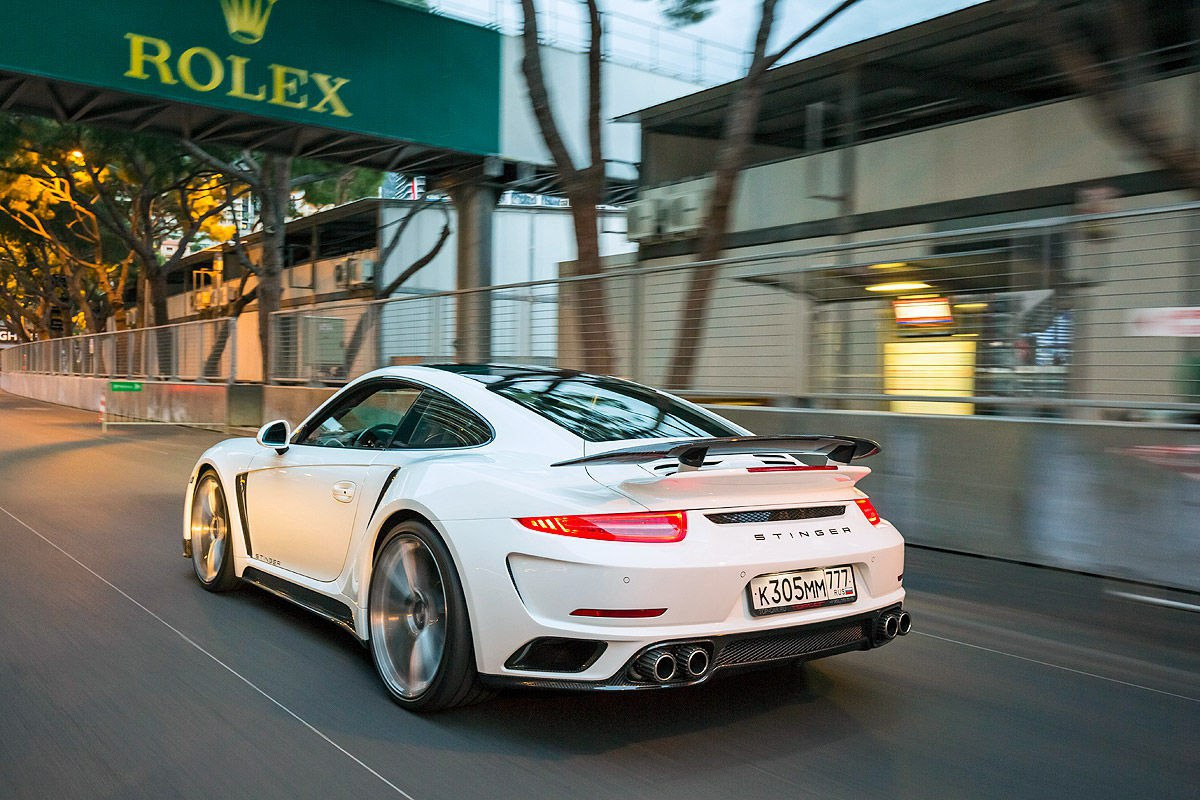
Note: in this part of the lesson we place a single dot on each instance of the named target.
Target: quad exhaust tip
(685, 662)
(658, 665)
(891, 624)
(694, 659)
(887, 627)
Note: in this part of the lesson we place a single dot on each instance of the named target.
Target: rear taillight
(652, 526)
(868, 510)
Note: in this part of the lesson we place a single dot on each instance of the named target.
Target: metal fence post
(376, 311)
(637, 328)
(435, 332)
(231, 322)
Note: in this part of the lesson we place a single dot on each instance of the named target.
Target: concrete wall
(1049, 145)
(209, 404)
(292, 403)
(1111, 499)
(64, 390)
(626, 89)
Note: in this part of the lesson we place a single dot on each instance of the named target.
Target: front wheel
(420, 632)
(212, 553)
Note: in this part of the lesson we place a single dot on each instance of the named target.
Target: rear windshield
(606, 410)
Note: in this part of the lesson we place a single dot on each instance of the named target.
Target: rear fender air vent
(776, 515)
(671, 466)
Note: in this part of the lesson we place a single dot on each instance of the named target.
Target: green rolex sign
(363, 66)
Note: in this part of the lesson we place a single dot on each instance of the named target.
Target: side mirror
(275, 434)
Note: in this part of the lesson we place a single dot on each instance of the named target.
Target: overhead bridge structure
(362, 82)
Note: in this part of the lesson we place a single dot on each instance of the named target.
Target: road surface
(121, 678)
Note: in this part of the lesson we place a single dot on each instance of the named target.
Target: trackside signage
(1177, 321)
(363, 66)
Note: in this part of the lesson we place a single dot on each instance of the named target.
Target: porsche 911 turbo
(477, 526)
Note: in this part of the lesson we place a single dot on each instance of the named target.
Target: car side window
(366, 420)
(436, 421)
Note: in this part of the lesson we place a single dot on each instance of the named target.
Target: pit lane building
(938, 211)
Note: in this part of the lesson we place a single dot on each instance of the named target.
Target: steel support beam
(475, 202)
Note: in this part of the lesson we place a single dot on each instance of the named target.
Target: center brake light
(868, 510)
(798, 468)
(640, 526)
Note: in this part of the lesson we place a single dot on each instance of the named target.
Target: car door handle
(343, 491)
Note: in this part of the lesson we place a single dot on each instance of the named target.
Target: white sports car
(482, 525)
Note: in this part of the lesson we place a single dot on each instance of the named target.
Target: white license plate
(804, 588)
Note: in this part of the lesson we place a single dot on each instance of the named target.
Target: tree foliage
(45, 199)
(686, 12)
(104, 205)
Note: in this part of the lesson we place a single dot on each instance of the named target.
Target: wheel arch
(379, 530)
(397, 516)
(227, 476)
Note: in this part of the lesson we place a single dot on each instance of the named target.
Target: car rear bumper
(523, 588)
(732, 652)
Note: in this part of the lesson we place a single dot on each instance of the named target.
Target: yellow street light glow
(77, 155)
(970, 306)
(899, 286)
(890, 265)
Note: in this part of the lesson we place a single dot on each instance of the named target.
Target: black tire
(419, 627)
(212, 535)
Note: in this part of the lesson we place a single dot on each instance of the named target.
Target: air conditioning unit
(226, 293)
(355, 273)
(366, 273)
(322, 341)
(685, 212)
(641, 220)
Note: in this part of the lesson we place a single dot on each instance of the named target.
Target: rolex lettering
(202, 70)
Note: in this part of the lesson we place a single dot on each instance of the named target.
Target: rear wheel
(420, 632)
(212, 556)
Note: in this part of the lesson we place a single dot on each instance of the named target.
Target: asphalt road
(121, 678)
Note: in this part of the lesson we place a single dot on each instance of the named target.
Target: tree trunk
(164, 343)
(157, 284)
(91, 323)
(276, 198)
(591, 308)
(584, 186)
(740, 122)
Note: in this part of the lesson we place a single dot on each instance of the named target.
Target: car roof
(490, 373)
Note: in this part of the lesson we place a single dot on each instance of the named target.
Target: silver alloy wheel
(408, 616)
(210, 528)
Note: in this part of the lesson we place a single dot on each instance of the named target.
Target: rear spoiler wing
(691, 453)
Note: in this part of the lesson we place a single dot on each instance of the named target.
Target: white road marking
(1155, 601)
(199, 647)
(1058, 666)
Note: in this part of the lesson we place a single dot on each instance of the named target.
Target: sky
(733, 21)
(637, 33)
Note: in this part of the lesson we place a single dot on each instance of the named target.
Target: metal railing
(204, 350)
(1069, 317)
